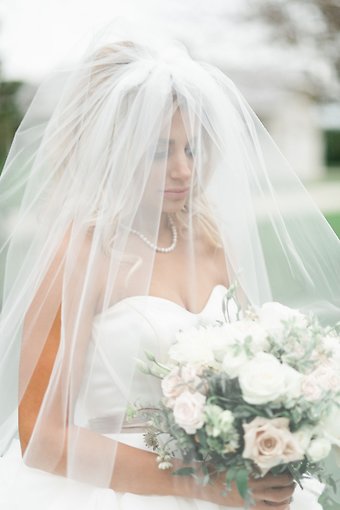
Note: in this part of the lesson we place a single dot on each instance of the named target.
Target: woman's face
(175, 154)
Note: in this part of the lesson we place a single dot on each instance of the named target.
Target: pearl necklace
(159, 249)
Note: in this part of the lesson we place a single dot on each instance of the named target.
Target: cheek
(154, 184)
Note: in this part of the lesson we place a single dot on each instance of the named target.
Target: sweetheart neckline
(165, 300)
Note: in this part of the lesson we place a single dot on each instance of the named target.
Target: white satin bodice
(120, 336)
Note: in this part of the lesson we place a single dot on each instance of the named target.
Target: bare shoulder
(218, 256)
(75, 268)
(214, 256)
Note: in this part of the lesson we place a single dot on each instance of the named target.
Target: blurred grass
(334, 221)
(332, 174)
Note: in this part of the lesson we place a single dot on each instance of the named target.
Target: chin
(174, 207)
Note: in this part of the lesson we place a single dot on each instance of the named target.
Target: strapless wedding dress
(144, 323)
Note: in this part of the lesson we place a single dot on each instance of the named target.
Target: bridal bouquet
(246, 397)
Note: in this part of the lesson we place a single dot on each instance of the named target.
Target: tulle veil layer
(87, 169)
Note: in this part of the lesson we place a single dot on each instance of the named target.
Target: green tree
(310, 27)
(10, 116)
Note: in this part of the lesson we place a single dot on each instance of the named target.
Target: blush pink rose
(327, 377)
(172, 384)
(269, 443)
(178, 380)
(311, 388)
(188, 411)
(189, 375)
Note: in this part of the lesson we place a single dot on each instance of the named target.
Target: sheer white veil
(92, 171)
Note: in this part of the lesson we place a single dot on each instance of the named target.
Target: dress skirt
(26, 488)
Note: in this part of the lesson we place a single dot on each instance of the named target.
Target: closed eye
(190, 152)
(161, 154)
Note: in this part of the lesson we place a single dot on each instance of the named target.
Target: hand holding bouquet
(254, 396)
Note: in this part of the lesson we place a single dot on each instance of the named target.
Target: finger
(278, 495)
(291, 484)
(284, 505)
(283, 480)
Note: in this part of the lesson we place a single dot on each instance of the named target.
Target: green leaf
(184, 471)
(230, 476)
(242, 483)
(150, 356)
(202, 437)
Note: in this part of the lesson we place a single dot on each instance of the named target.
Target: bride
(149, 189)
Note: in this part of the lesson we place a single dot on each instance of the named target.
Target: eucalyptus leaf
(184, 471)
(230, 475)
(242, 483)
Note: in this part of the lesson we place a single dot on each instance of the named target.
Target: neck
(163, 226)
(161, 234)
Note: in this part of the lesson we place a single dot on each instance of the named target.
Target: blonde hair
(98, 69)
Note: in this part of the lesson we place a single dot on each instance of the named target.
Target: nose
(180, 168)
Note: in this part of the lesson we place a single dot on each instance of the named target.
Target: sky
(37, 35)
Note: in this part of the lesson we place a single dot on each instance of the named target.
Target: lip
(176, 192)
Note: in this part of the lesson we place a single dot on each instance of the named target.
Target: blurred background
(284, 55)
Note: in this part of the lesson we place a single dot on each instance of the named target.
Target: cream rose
(188, 411)
(318, 449)
(232, 362)
(269, 443)
(192, 347)
(238, 331)
(262, 379)
(303, 437)
(259, 336)
(272, 315)
(293, 384)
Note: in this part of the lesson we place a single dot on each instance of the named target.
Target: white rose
(293, 383)
(318, 449)
(262, 379)
(238, 331)
(272, 314)
(217, 336)
(192, 347)
(232, 363)
(222, 338)
(259, 336)
(233, 332)
(303, 437)
(188, 411)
